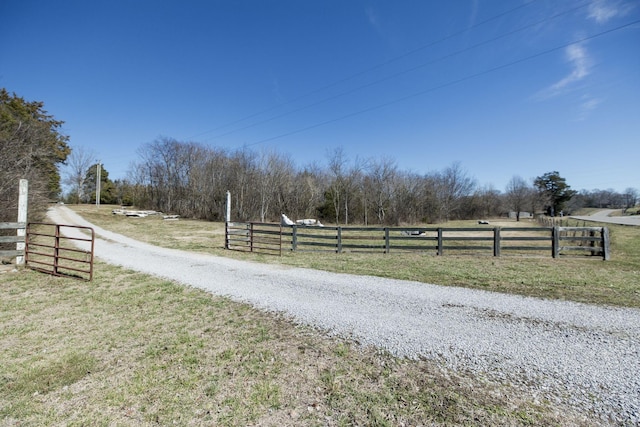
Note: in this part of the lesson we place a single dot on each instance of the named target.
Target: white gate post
(227, 220)
(22, 217)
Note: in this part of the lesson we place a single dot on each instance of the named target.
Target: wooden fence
(496, 241)
(17, 240)
(256, 237)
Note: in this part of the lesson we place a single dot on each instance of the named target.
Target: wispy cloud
(578, 57)
(587, 105)
(373, 18)
(275, 89)
(474, 13)
(579, 60)
(602, 11)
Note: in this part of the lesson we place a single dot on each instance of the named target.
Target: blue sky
(503, 87)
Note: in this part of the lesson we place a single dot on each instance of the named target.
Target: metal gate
(259, 237)
(48, 250)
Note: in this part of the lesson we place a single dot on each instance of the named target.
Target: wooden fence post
(294, 237)
(23, 201)
(339, 237)
(440, 249)
(226, 234)
(227, 219)
(251, 237)
(496, 241)
(606, 249)
(386, 240)
(592, 242)
(555, 241)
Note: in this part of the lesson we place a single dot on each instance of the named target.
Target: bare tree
(518, 194)
(382, 174)
(274, 179)
(408, 204)
(308, 194)
(209, 183)
(241, 183)
(453, 184)
(284, 186)
(630, 197)
(75, 172)
(485, 202)
(336, 191)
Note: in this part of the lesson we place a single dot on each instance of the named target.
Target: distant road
(603, 216)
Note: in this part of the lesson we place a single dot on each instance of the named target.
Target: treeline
(606, 199)
(191, 180)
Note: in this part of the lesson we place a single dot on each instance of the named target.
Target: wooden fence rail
(556, 241)
(17, 240)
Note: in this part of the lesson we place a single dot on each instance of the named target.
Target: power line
(444, 85)
(370, 69)
(400, 73)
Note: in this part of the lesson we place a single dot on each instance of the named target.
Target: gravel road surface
(584, 355)
(603, 216)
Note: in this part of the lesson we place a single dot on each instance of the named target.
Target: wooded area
(191, 180)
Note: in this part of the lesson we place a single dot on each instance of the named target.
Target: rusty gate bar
(55, 255)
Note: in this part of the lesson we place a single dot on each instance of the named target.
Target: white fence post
(22, 217)
(227, 221)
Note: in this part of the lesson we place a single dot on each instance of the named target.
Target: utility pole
(98, 173)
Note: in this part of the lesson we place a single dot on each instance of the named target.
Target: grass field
(583, 279)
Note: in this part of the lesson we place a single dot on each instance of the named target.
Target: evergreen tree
(555, 190)
(107, 188)
(31, 147)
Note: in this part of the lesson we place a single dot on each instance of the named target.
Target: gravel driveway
(584, 355)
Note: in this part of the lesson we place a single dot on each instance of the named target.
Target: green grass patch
(43, 376)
